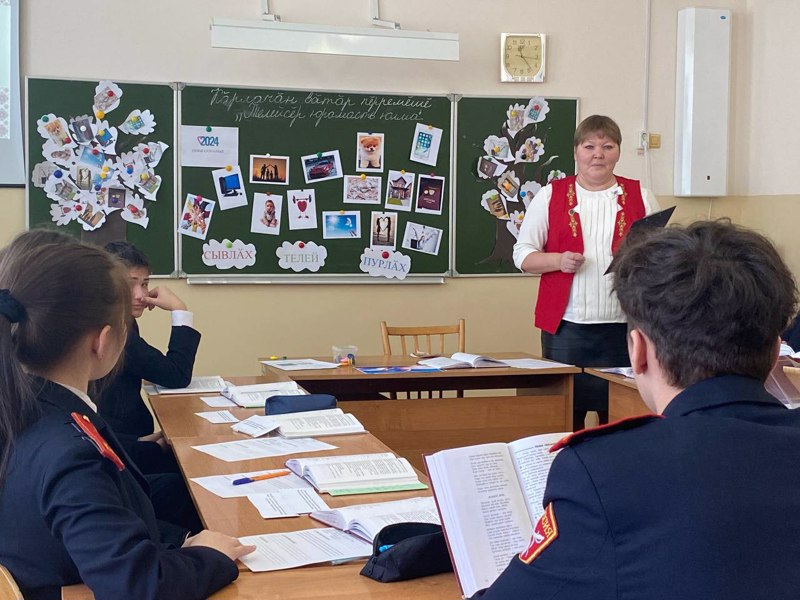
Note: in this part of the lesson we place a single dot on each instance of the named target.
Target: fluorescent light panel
(331, 39)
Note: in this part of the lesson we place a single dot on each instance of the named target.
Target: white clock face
(522, 57)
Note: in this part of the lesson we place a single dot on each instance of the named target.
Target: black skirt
(599, 345)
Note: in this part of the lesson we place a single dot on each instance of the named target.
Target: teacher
(569, 234)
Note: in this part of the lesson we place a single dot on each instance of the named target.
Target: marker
(384, 548)
(261, 477)
(273, 357)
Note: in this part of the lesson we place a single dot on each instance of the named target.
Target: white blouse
(591, 299)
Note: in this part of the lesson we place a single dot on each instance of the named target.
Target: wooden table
(238, 517)
(623, 396)
(539, 401)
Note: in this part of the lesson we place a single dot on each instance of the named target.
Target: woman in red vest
(570, 231)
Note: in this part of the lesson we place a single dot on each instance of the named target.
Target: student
(121, 404)
(792, 335)
(72, 508)
(701, 500)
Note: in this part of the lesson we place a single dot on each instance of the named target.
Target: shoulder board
(621, 425)
(85, 425)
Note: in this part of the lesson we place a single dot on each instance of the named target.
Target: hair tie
(11, 308)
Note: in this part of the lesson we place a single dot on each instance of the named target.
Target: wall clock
(522, 57)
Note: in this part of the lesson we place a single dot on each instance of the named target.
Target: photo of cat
(369, 152)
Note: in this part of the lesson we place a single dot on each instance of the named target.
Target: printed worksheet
(262, 448)
(276, 551)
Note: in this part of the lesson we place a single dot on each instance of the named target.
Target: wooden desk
(623, 396)
(540, 402)
(342, 582)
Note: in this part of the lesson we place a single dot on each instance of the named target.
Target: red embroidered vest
(564, 235)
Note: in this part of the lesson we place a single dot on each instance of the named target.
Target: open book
(314, 423)
(461, 360)
(366, 520)
(356, 473)
(489, 498)
(256, 395)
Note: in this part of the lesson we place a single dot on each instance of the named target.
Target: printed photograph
(116, 197)
(302, 208)
(494, 203)
(322, 166)
(265, 168)
(383, 230)
(369, 152)
(341, 225)
(425, 144)
(82, 129)
(362, 189)
(83, 177)
(266, 217)
(89, 158)
(508, 185)
(229, 187)
(399, 190)
(91, 217)
(57, 131)
(422, 238)
(430, 194)
(196, 216)
(488, 167)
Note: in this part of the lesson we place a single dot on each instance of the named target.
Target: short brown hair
(597, 124)
(713, 297)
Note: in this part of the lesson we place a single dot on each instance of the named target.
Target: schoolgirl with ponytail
(72, 508)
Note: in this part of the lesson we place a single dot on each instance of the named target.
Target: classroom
(616, 57)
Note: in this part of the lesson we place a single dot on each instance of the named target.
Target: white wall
(595, 52)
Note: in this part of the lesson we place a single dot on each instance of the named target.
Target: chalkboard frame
(461, 164)
(350, 277)
(162, 268)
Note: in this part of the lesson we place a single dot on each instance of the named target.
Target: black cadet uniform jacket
(701, 504)
(121, 404)
(68, 514)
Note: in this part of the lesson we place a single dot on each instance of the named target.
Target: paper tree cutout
(96, 166)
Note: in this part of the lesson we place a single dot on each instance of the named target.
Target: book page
(366, 520)
(286, 503)
(299, 465)
(354, 473)
(532, 460)
(214, 383)
(483, 511)
(442, 362)
(476, 360)
(222, 485)
(315, 425)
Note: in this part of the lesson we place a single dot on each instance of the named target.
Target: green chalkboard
(531, 139)
(71, 99)
(294, 124)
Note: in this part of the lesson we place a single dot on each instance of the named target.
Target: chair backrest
(281, 405)
(8, 587)
(422, 338)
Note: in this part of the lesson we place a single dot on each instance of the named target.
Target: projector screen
(12, 166)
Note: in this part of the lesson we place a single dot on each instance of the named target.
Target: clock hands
(522, 56)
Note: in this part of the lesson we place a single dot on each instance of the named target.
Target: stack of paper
(199, 385)
(299, 364)
(250, 449)
(255, 396)
(277, 551)
(314, 423)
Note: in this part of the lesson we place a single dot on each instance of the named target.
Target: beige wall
(595, 52)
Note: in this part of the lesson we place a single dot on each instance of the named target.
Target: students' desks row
(536, 401)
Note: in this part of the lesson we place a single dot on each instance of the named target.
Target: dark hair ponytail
(54, 291)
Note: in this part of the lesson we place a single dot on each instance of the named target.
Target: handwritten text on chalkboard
(318, 107)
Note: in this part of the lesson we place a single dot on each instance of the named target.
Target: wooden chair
(427, 334)
(8, 587)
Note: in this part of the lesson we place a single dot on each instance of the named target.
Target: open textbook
(357, 473)
(461, 360)
(366, 520)
(256, 395)
(331, 421)
(489, 498)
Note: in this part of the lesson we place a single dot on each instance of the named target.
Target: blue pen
(384, 548)
(261, 477)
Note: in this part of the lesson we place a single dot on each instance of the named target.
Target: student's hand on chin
(229, 546)
(165, 298)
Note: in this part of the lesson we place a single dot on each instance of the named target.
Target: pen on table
(261, 477)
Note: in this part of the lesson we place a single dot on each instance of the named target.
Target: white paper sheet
(222, 485)
(218, 416)
(216, 148)
(278, 551)
(256, 426)
(287, 503)
(217, 401)
(299, 364)
(250, 449)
